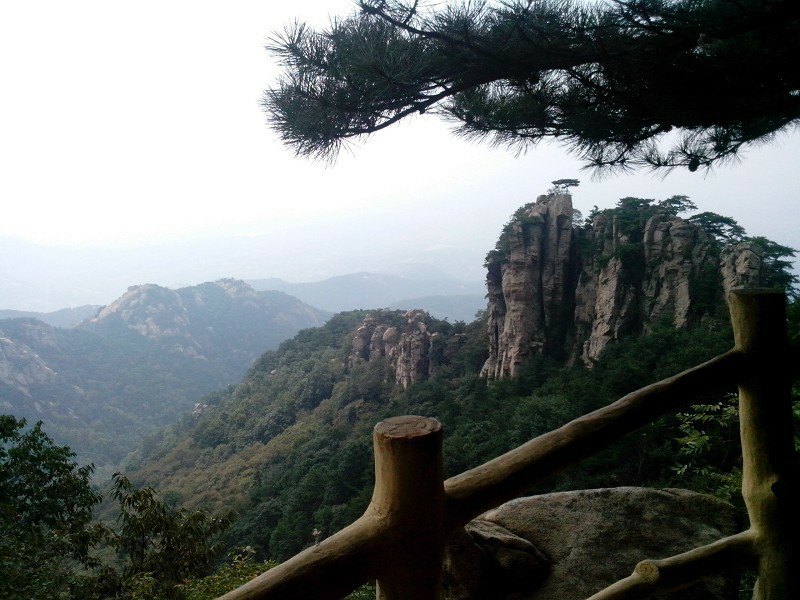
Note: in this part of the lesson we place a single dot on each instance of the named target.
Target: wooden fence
(400, 539)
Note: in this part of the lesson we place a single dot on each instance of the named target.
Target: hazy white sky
(130, 124)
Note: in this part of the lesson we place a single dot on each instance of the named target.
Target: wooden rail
(400, 539)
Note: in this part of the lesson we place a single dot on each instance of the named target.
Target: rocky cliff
(412, 349)
(22, 368)
(530, 275)
(567, 289)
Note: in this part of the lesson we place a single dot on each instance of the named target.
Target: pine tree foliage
(627, 83)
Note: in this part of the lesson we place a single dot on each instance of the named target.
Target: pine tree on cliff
(610, 79)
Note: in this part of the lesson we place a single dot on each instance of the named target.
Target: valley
(640, 286)
(175, 385)
(140, 362)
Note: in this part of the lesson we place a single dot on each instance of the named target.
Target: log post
(409, 502)
(770, 469)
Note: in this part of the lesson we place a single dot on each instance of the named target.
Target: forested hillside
(290, 447)
(141, 362)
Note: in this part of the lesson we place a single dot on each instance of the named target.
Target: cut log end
(648, 571)
(407, 427)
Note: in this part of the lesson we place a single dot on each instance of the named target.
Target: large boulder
(570, 545)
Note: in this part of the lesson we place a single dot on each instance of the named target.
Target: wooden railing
(400, 539)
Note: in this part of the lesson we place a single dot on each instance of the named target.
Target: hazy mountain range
(443, 297)
(141, 361)
(65, 317)
(48, 278)
(102, 377)
(577, 316)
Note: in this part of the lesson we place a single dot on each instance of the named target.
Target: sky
(133, 149)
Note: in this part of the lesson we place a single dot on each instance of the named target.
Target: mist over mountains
(48, 278)
(253, 396)
(443, 297)
(578, 314)
(102, 377)
(64, 317)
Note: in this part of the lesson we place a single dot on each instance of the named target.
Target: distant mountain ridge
(373, 290)
(201, 321)
(142, 361)
(42, 277)
(458, 307)
(65, 317)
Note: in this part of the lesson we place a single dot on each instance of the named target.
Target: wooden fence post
(409, 500)
(770, 468)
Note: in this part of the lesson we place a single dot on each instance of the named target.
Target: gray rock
(568, 291)
(21, 367)
(527, 291)
(486, 560)
(411, 350)
(613, 298)
(573, 544)
(742, 265)
(675, 251)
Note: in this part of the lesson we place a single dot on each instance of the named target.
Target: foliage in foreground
(613, 80)
(161, 547)
(46, 506)
(240, 568)
(50, 547)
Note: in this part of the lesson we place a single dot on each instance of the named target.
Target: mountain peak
(567, 290)
(236, 288)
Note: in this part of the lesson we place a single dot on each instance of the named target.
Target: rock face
(628, 285)
(528, 289)
(154, 312)
(485, 560)
(413, 352)
(21, 367)
(742, 265)
(565, 290)
(675, 251)
(573, 544)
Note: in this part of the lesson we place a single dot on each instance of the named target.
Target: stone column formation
(565, 290)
